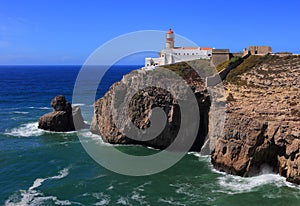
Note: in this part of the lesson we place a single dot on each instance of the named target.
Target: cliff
(262, 123)
(129, 104)
(262, 126)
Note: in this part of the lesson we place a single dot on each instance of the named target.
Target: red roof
(170, 31)
(206, 48)
(187, 48)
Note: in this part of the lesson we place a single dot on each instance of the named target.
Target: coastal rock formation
(262, 127)
(63, 118)
(142, 102)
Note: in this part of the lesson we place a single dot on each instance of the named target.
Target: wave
(137, 196)
(78, 104)
(42, 108)
(123, 201)
(25, 130)
(104, 199)
(230, 184)
(197, 154)
(170, 201)
(18, 112)
(33, 197)
(31, 129)
(38, 182)
(86, 135)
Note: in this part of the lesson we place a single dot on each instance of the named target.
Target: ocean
(48, 168)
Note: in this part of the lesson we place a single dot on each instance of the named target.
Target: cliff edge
(262, 126)
(147, 87)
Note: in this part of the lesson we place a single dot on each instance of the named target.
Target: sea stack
(63, 118)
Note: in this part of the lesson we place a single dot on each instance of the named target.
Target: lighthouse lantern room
(170, 39)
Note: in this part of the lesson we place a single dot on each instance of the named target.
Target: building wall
(219, 56)
(237, 54)
(154, 61)
(260, 50)
(179, 54)
(198, 53)
(171, 56)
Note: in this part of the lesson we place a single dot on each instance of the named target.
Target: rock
(140, 106)
(268, 132)
(63, 118)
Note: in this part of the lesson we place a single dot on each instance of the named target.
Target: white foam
(196, 154)
(38, 182)
(138, 198)
(31, 129)
(25, 130)
(42, 108)
(234, 184)
(204, 158)
(110, 187)
(78, 104)
(104, 199)
(87, 135)
(70, 132)
(33, 197)
(170, 201)
(123, 201)
(18, 112)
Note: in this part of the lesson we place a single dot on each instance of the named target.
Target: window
(192, 53)
(187, 54)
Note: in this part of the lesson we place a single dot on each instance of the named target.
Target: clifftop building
(172, 54)
(260, 50)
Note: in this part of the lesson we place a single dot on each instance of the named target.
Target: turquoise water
(44, 168)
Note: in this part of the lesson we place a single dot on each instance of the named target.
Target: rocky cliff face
(143, 100)
(262, 127)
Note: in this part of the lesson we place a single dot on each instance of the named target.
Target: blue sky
(68, 31)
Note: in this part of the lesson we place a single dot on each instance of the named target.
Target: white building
(171, 54)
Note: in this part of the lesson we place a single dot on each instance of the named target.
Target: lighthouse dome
(170, 31)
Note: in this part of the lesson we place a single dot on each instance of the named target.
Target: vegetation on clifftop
(184, 69)
(248, 64)
(227, 63)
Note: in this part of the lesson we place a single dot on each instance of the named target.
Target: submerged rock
(63, 118)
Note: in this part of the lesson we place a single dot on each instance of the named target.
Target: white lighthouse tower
(171, 54)
(170, 39)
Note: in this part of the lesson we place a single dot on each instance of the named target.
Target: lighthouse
(171, 54)
(170, 39)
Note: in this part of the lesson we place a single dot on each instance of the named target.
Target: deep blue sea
(44, 168)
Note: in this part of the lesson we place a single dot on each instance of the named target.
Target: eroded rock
(262, 125)
(63, 118)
